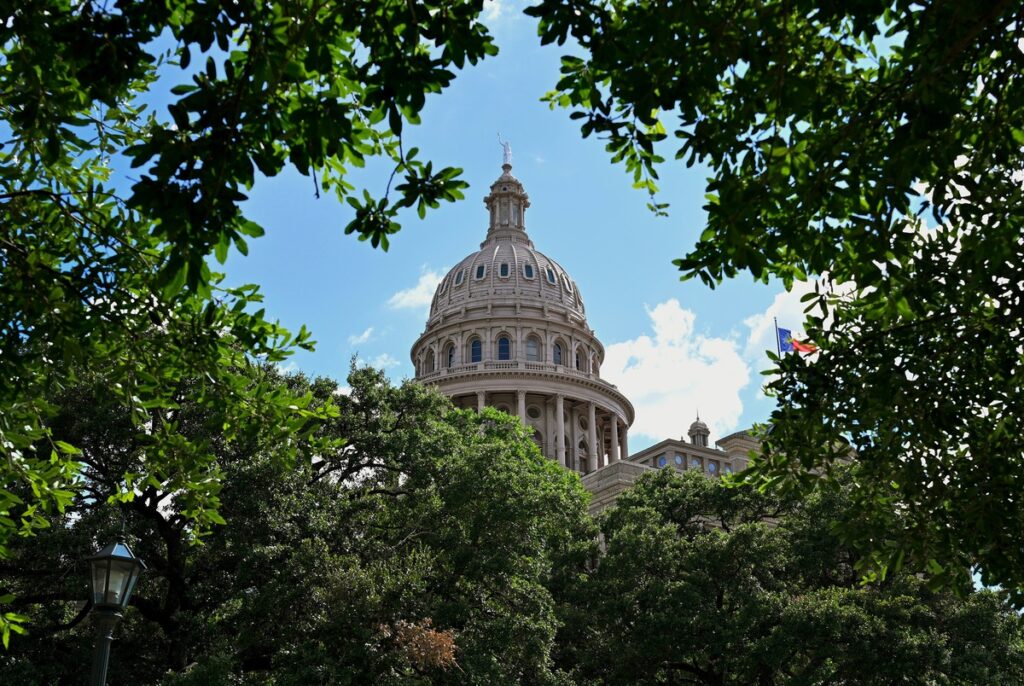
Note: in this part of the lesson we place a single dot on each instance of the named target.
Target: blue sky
(674, 348)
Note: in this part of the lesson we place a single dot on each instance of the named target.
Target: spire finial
(506, 150)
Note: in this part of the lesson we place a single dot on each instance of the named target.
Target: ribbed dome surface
(504, 267)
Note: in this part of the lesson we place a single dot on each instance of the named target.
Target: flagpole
(778, 344)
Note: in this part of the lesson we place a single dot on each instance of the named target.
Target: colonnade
(580, 446)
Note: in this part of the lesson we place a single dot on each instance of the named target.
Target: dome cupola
(699, 433)
(507, 203)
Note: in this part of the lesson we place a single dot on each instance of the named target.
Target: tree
(876, 147)
(99, 273)
(426, 549)
(704, 584)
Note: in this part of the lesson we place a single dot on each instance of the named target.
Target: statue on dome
(506, 148)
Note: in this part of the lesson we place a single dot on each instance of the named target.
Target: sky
(674, 349)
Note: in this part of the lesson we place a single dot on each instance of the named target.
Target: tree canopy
(876, 148)
(438, 546)
(705, 584)
(426, 549)
(112, 276)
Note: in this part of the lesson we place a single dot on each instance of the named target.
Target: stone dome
(507, 328)
(507, 263)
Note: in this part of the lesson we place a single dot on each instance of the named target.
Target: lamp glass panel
(120, 577)
(136, 573)
(99, 580)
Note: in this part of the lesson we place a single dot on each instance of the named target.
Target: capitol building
(508, 329)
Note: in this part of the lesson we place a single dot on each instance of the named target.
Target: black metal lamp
(115, 571)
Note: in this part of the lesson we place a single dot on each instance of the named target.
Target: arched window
(449, 356)
(579, 361)
(558, 353)
(504, 348)
(533, 349)
(476, 350)
(430, 361)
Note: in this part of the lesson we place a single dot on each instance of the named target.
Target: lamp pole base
(106, 621)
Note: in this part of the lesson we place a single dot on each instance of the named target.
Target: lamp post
(114, 573)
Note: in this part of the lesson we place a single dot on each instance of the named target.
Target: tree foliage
(426, 549)
(106, 271)
(876, 147)
(704, 584)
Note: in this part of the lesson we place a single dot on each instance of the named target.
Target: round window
(661, 460)
(679, 459)
(727, 469)
(533, 412)
(502, 408)
(712, 467)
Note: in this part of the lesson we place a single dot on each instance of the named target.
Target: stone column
(625, 442)
(560, 428)
(521, 405)
(481, 400)
(591, 437)
(574, 435)
(615, 439)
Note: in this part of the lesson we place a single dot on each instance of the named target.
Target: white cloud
(419, 296)
(671, 376)
(495, 10)
(364, 337)
(383, 361)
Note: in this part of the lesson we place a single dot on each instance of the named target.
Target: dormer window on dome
(481, 270)
(459, 277)
(528, 271)
(503, 270)
(551, 276)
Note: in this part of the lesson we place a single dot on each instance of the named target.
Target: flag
(788, 344)
(803, 347)
(785, 340)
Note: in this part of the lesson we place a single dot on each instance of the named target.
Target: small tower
(699, 433)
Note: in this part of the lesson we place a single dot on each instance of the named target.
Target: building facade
(507, 329)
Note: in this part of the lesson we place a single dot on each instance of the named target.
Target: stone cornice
(562, 376)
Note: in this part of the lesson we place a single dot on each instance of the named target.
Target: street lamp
(114, 573)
